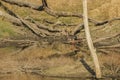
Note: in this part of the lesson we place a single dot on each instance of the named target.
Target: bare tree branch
(44, 7)
(107, 38)
(90, 42)
(112, 46)
(16, 43)
(78, 29)
(31, 26)
(58, 23)
(24, 4)
(41, 26)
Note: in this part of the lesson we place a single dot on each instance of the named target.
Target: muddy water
(31, 76)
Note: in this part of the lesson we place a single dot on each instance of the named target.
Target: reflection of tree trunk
(89, 40)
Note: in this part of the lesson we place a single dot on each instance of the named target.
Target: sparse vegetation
(51, 50)
(111, 64)
(6, 29)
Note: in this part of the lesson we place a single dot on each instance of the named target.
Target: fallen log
(45, 7)
(78, 29)
(21, 22)
(14, 18)
(61, 14)
(109, 50)
(41, 26)
(24, 4)
(106, 21)
(58, 23)
(11, 19)
(107, 38)
(16, 43)
(111, 46)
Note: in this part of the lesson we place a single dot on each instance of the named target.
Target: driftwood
(16, 43)
(42, 30)
(24, 4)
(41, 26)
(61, 14)
(21, 22)
(78, 29)
(112, 46)
(37, 29)
(108, 42)
(44, 7)
(109, 50)
(58, 23)
(107, 21)
(10, 18)
(27, 43)
(107, 38)
(51, 12)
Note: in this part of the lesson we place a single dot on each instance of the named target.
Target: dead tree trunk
(89, 40)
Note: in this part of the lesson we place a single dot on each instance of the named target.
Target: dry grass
(98, 9)
(22, 76)
(31, 57)
(111, 64)
(7, 29)
(44, 50)
(105, 9)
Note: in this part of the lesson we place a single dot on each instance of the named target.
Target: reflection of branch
(87, 67)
